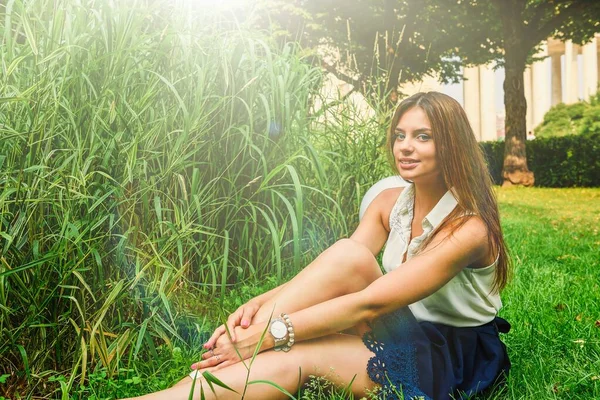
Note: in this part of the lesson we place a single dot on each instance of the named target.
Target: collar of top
(435, 217)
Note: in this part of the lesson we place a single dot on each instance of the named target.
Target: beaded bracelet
(291, 336)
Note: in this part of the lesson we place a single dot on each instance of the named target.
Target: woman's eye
(400, 136)
(423, 137)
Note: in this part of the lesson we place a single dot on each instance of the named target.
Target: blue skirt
(434, 361)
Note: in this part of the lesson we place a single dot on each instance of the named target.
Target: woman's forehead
(414, 118)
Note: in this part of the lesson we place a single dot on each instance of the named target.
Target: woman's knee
(359, 260)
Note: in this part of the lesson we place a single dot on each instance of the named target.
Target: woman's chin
(408, 175)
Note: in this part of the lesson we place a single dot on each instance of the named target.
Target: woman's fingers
(213, 369)
(247, 314)
(221, 365)
(216, 360)
(232, 322)
(207, 355)
(213, 339)
(209, 362)
(241, 317)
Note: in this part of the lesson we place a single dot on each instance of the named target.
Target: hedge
(567, 161)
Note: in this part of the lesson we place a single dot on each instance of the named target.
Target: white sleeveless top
(467, 300)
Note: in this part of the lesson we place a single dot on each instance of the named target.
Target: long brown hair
(463, 169)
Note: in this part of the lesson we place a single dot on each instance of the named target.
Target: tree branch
(541, 11)
(537, 34)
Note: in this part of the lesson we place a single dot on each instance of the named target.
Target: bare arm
(373, 229)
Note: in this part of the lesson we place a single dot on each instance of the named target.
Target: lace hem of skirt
(394, 365)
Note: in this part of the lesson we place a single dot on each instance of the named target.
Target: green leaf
(191, 394)
(276, 386)
(210, 379)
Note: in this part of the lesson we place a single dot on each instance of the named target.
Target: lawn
(552, 302)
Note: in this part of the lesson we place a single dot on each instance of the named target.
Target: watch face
(278, 329)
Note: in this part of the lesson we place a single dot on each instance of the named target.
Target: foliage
(579, 118)
(562, 120)
(494, 156)
(151, 157)
(568, 161)
(590, 123)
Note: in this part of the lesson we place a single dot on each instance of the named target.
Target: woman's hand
(224, 352)
(241, 317)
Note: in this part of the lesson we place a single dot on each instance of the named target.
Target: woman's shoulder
(384, 204)
(389, 183)
(388, 198)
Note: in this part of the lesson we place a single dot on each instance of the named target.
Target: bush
(494, 156)
(590, 123)
(579, 118)
(568, 161)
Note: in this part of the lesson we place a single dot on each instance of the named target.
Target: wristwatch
(279, 331)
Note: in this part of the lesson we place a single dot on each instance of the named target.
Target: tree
(524, 25)
(390, 41)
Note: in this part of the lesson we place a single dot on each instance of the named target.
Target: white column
(540, 76)
(556, 79)
(488, 102)
(590, 69)
(528, 98)
(598, 54)
(471, 98)
(570, 92)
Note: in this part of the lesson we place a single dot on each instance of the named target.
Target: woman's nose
(406, 146)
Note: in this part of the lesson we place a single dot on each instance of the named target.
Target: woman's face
(414, 148)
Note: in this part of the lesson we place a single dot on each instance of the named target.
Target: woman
(432, 329)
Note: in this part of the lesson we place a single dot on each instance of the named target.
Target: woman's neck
(427, 196)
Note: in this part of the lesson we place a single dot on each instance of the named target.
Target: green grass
(552, 302)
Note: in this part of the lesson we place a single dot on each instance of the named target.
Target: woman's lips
(408, 164)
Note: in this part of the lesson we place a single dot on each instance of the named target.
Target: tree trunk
(516, 48)
(515, 171)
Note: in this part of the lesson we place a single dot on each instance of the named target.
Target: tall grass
(150, 154)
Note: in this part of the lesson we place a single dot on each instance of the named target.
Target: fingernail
(245, 323)
(193, 366)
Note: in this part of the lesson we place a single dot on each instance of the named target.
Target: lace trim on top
(401, 209)
(401, 218)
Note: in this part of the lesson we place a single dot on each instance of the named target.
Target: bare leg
(340, 358)
(345, 267)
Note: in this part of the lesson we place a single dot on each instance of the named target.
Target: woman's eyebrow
(420, 130)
